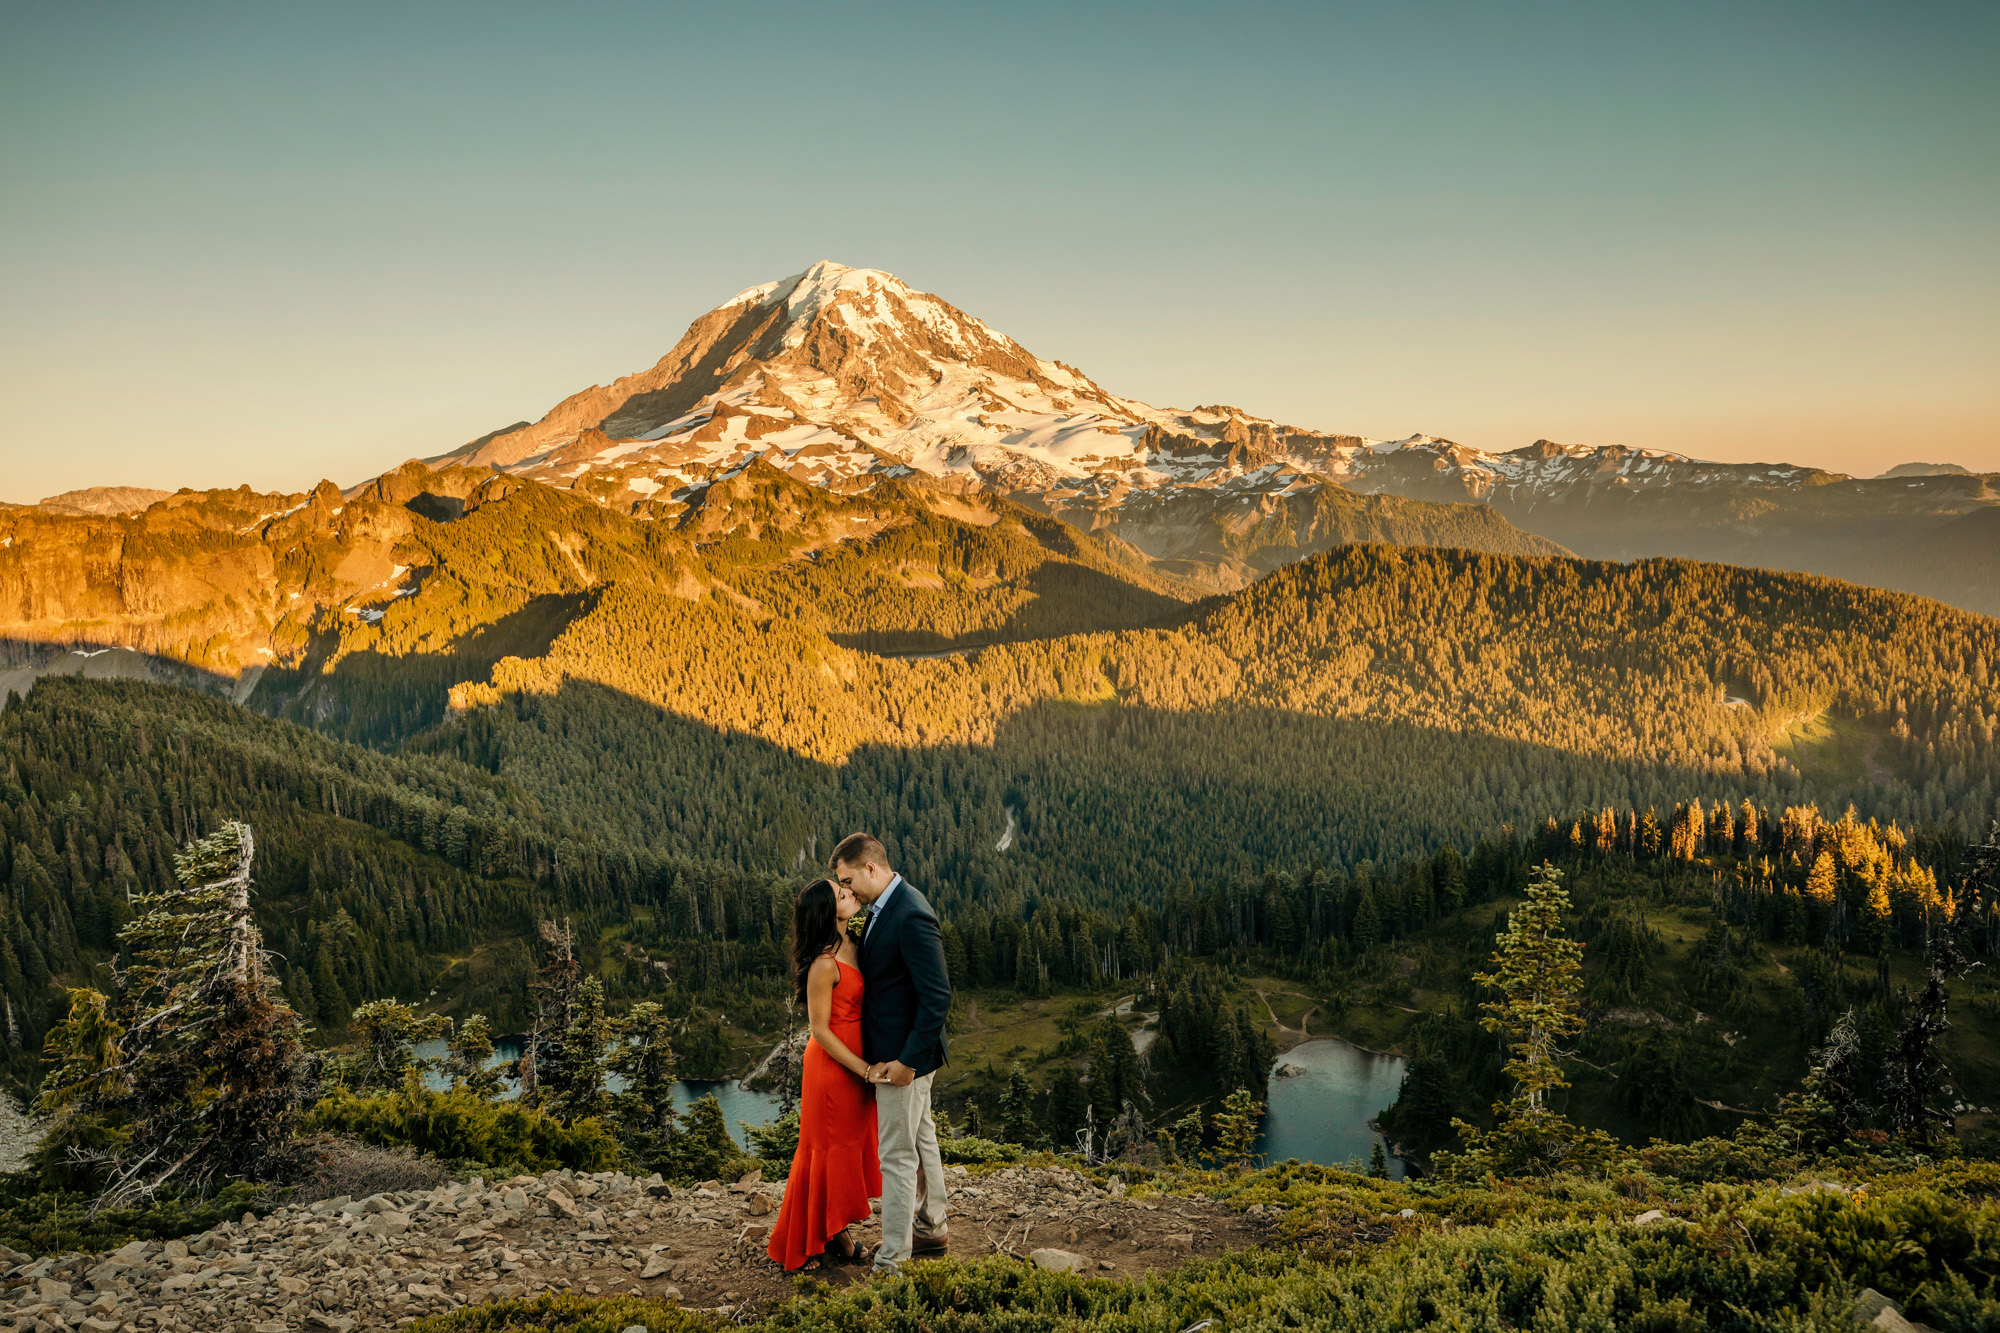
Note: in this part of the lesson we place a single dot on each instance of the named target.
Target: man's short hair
(856, 848)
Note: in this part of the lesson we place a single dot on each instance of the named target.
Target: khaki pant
(913, 1195)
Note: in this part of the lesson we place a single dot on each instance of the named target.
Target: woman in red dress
(836, 1171)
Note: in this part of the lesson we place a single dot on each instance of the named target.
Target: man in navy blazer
(905, 997)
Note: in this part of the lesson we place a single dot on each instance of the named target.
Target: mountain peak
(1926, 470)
(872, 307)
(810, 291)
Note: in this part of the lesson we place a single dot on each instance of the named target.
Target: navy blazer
(906, 992)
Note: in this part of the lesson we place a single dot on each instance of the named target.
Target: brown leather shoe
(938, 1244)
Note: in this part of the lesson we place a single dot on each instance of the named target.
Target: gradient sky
(271, 243)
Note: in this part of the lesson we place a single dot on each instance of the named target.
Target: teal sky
(277, 242)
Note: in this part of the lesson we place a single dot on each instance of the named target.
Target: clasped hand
(893, 1072)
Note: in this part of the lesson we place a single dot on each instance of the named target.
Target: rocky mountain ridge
(104, 500)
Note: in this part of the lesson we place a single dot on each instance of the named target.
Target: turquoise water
(1321, 1114)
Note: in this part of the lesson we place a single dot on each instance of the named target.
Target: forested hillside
(376, 876)
(1365, 703)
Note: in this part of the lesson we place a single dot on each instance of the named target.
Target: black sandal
(857, 1256)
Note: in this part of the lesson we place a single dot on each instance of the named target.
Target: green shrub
(702, 1149)
(569, 1314)
(39, 1221)
(776, 1144)
(464, 1128)
(969, 1151)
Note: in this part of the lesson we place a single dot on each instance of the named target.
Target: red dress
(836, 1171)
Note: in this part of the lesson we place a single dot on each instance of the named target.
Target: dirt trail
(1299, 1031)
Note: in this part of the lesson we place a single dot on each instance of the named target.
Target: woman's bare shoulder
(823, 967)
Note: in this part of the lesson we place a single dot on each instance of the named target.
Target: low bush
(346, 1166)
(465, 1130)
(39, 1221)
(969, 1151)
(568, 1313)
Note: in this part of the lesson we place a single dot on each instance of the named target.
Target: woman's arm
(819, 1012)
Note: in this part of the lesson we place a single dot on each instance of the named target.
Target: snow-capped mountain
(840, 376)
(837, 374)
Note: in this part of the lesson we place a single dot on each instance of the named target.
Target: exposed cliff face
(221, 581)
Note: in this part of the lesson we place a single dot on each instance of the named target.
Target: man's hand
(897, 1074)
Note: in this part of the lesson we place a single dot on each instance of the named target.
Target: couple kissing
(868, 963)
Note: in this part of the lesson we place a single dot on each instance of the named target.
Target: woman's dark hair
(815, 929)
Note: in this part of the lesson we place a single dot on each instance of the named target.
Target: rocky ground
(357, 1264)
(20, 1133)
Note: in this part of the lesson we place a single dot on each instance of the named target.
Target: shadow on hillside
(1116, 803)
(1064, 599)
(24, 661)
(376, 698)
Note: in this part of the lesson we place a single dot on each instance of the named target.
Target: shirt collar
(882, 899)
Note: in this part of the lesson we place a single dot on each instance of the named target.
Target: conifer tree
(469, 1058)
(1236, 1127)
(79, 1132)
(387, 1033)
(1827, 1109)
(1067, 1102)
(573, 1079)
(1182, 1144)
(1017, 1110)
(702, 1150)
(1422, 1111)
(644, 1058)
(210, 1079)
(554, 988)
(1538, 971)
(1917, 1082)
(1114, 1070)
(1367, 922)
